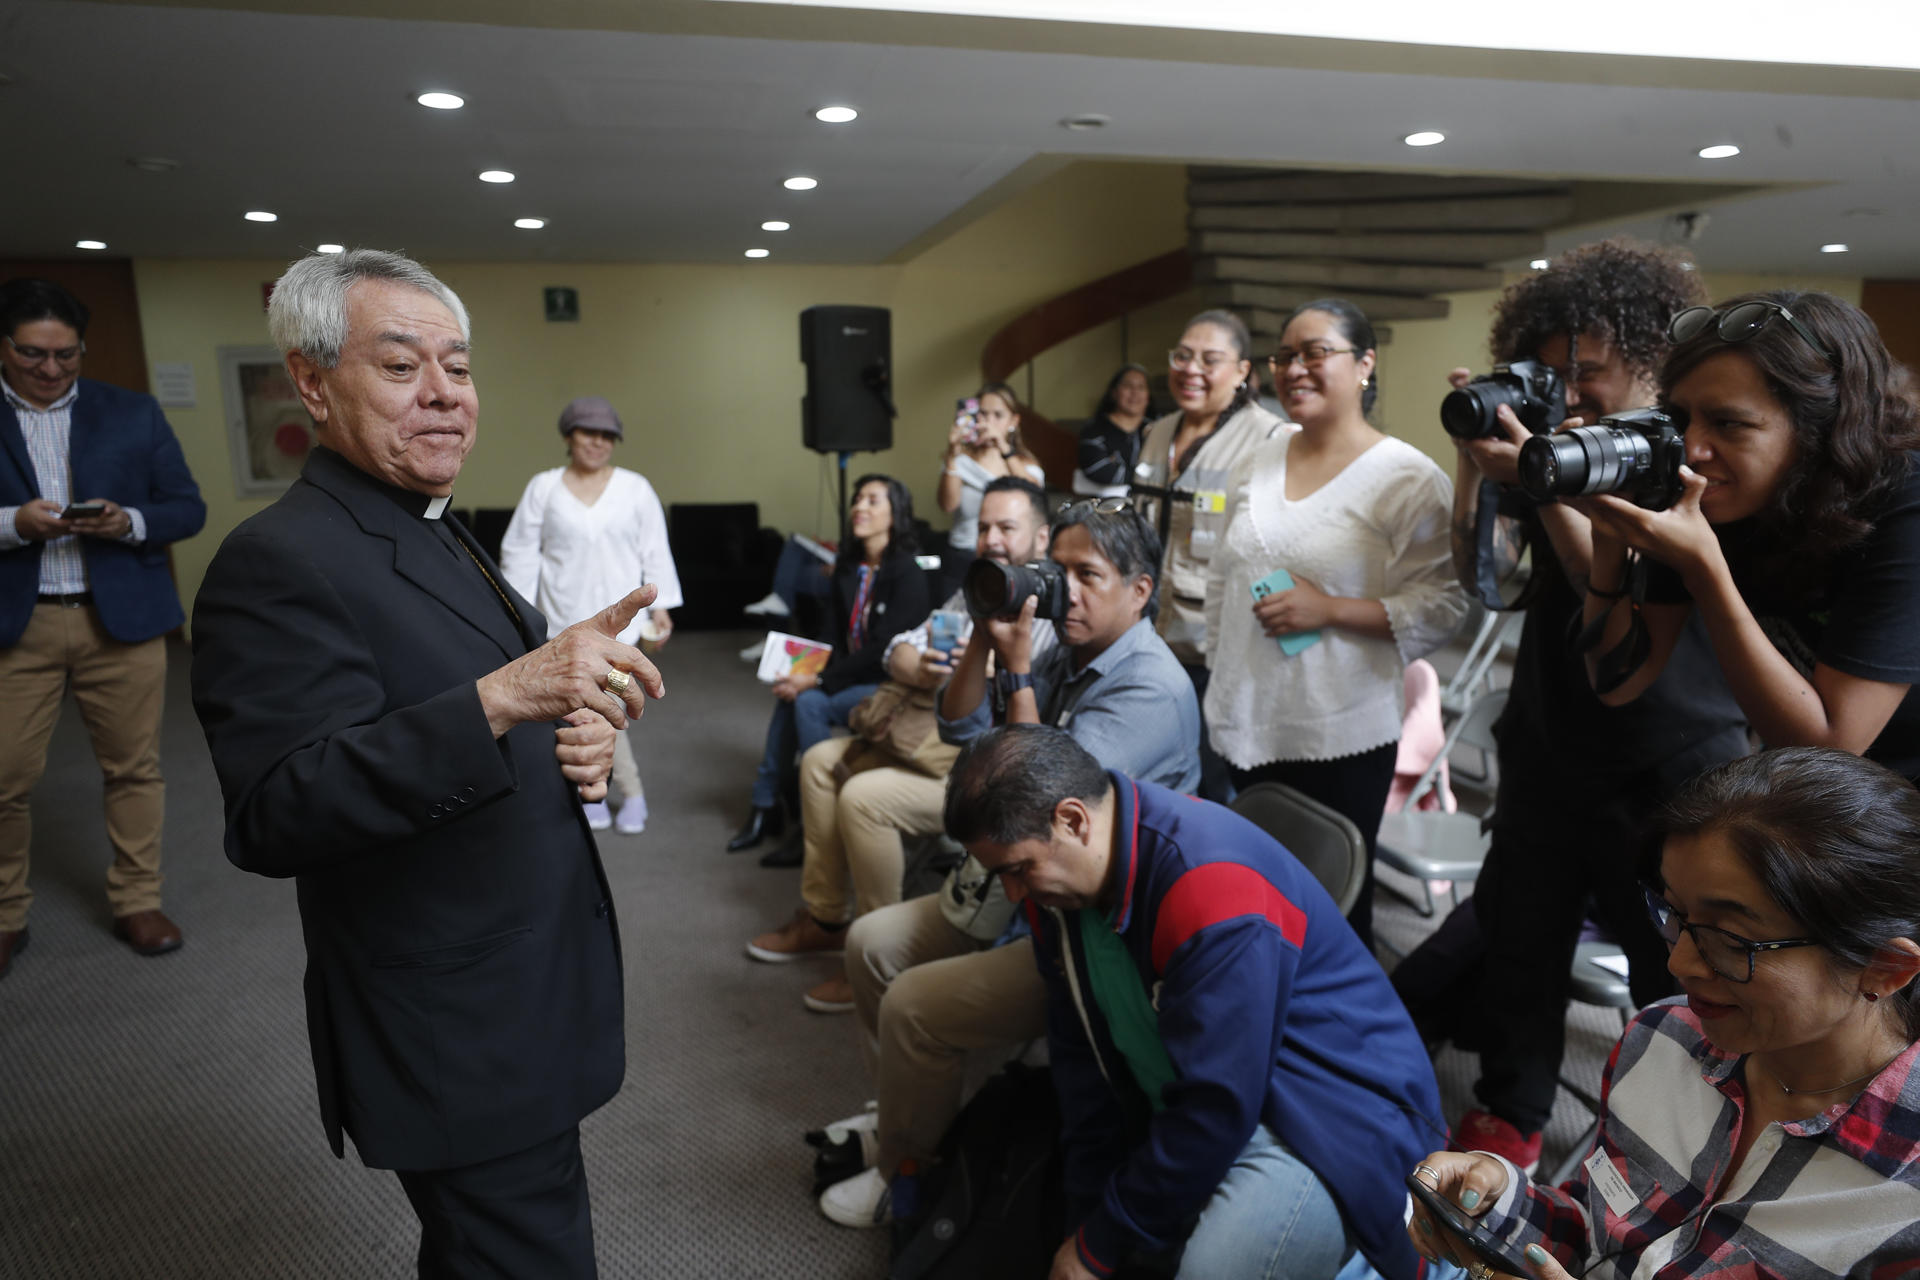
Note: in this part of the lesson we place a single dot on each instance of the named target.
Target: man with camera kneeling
(1579, 342)
(938, 976)
(1237, 1084)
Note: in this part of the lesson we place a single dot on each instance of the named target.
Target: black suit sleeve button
(600, 912)
(466, 795)
(436, 811)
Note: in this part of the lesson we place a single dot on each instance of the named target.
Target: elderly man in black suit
(390, 730)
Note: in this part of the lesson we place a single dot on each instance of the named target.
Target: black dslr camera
(1534, 391)
(1636, 455)
(996, 590)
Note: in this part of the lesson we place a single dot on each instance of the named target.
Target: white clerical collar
(435, 507)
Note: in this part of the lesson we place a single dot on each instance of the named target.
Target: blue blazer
(121, 448)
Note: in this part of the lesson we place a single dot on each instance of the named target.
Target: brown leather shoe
(801, 936)
(12, 943)
(148, 932)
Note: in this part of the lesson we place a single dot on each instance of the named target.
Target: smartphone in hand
(1281, 580)
(83, 510)
(966, 416)
(1454, 1220)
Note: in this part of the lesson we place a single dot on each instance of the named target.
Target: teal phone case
(1281, 580)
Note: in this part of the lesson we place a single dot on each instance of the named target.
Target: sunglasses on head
(1738, 322)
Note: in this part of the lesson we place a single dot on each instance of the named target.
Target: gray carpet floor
(157, 1116)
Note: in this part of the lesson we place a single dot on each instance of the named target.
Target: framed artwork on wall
(268, 430)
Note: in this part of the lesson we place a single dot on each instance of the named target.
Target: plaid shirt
(1834, 1195)
(63, 566)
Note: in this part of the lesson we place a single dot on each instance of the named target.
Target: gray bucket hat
(593, 413)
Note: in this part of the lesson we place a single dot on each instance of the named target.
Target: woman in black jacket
(878, 592)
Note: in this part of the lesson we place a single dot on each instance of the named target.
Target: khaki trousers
(927, 995)
(625, 778)
(121, 689)
(853, 832)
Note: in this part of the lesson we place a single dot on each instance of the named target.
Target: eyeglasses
(1088, 507)
(1313, 355)
(34, 355)
(1727, 954)
(1738, 323)
(1211, 361)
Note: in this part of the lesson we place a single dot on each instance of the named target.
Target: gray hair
(308, 312)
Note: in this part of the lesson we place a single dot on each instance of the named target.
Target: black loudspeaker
(848, 352)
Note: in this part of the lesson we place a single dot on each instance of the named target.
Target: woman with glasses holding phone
(1767, 1123)
(1335, 571)
(1188, 456)
(1796, 537)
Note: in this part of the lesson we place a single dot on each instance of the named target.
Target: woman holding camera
(1335, 572)
(1110, 442)
(1796, 534)
(878, 592)
(982, 446)
(1768, 1122)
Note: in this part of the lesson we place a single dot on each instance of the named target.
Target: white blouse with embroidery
(572, 559)
(1376, 531)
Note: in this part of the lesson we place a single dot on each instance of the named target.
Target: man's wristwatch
(1008, 683)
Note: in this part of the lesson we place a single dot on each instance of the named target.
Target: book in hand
(787, 655)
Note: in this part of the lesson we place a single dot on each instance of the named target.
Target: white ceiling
(671, 147)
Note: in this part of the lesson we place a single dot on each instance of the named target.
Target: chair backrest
(1326, 842)
(1476, 667)
(1474, 728)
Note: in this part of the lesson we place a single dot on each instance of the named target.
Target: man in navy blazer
(382, 709)
(93, 488)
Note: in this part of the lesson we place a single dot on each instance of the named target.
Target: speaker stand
(846, 517)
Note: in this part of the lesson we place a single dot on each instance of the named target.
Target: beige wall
(701, 360)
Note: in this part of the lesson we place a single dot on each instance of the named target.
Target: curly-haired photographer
(1795, 537)
(1577, 778)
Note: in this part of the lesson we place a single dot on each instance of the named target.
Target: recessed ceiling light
(1833, 248)
(774, 226)
(329, 248)
(1425, 138)
(153, 164)
(261, 215)
(1719, 151)
(756, 253)
(1084, 123)
(89, 244)
(801, 184)
(495, 175)
(529, 224)
(1538, 264)
(836, 115)
(441, 101)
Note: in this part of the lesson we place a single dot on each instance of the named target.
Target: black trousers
(1214, 772)
(519, 1215)
(1356, 787)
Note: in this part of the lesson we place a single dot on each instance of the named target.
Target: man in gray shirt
(929, 990)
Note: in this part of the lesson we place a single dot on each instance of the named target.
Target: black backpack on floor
(993, 1205)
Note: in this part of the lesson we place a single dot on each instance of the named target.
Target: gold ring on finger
(617, 682)
(1479, 1271)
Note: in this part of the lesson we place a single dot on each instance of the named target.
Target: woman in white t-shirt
(981, 448)
(587, 533)
(1358, 521)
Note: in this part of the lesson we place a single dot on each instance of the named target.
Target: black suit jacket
(463, 965)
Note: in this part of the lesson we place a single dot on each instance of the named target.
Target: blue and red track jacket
(1271, 1010)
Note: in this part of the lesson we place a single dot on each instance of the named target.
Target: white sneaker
(753, 651)
(866, 1125)
(632, 818)
(860, 1201)
(597, 816)
(769, 606)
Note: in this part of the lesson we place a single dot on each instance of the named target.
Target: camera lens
(1465, 415)
(987, 587)
(1596, 459)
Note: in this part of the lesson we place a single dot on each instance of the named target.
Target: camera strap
(1487, 514)
(1617, 665)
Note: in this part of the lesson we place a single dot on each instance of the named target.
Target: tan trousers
(625, 778)
(927, 995)
(121, 689)
(853, 832)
